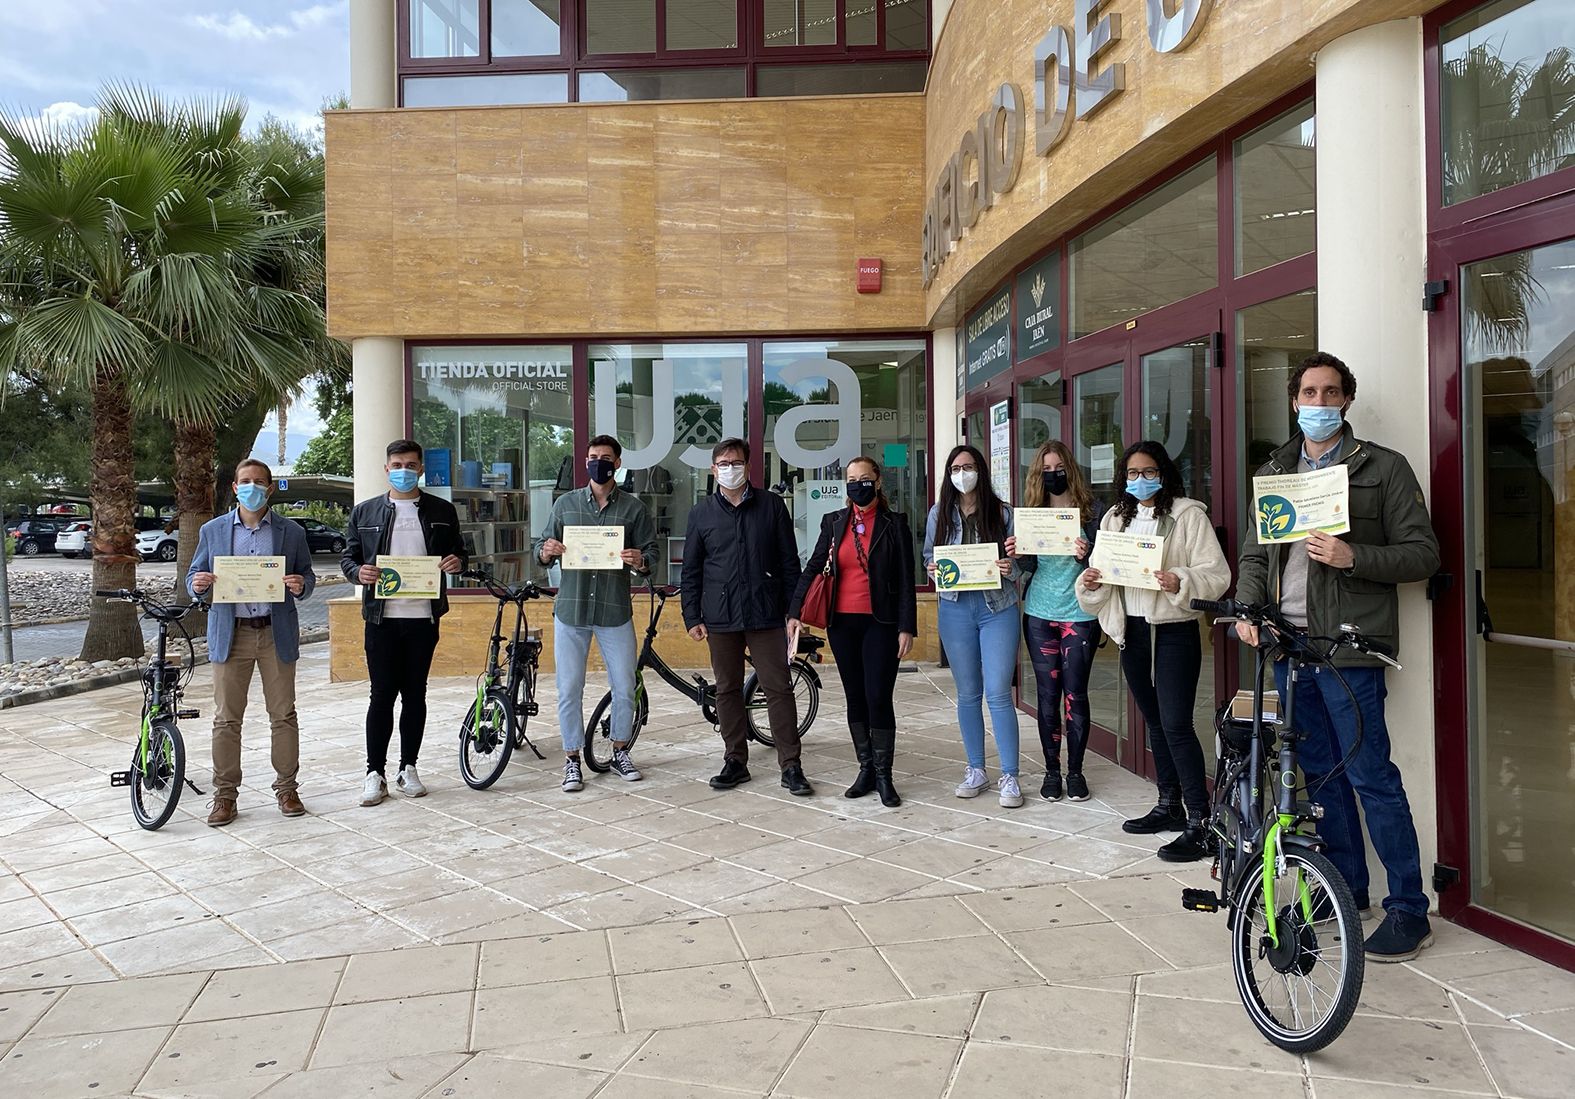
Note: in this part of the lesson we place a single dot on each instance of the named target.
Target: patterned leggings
(1063, 653)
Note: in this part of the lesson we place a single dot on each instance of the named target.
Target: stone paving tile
(258, 1045)
(265, 990)
(699, 994)
(395, 1078)
(673, 945)
(120, 1005)
(827, 979)
(373, 1032)
(82, 1064)
(586, 1006)
(741, 1054)
(837, 1061)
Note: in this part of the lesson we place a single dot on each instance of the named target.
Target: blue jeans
(571, 647)
(1327, 719)
(981, 646)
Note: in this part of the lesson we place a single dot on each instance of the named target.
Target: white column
(1372, 253)
(374, 46)
(943, 384)
(378, 381)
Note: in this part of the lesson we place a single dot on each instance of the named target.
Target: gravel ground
(48, 596)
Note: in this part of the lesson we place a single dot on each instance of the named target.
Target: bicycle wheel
(522, 715)
(806, 699)
(155, 788)
(484, 750)
(1302, 993)
(598, 731)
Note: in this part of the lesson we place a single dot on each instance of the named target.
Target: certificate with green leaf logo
(967, 568)
(407, 577)
(1295, 505)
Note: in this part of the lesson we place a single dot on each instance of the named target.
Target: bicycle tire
(484, 756)
(1312, 939)
(598, 731)
(806, 695)
(155, 792)
(522, 714)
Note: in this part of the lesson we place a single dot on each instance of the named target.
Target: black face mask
(861, 493)
(1055, 482)
(600, 470)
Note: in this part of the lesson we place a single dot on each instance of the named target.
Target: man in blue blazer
(246, 635)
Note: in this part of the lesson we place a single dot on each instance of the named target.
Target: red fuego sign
(869, 276)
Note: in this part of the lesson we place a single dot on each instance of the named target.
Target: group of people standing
(744, 591)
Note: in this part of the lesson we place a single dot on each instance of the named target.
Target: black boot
(1193, 845)
(861, 748)
(884, 744)
(1167, 816)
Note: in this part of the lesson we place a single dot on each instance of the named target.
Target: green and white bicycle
(158, 762)
(495, 723)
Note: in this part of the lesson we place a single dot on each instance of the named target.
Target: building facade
(843, 228)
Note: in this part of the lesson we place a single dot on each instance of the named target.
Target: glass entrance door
(1517, 344)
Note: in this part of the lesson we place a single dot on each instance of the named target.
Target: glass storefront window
(800, 22)
(1097, 443)
(702, 25)
(1275, 176)
(527, 28)
(859, 23)
(497, 425)
(1162, 248)
(620, 26)
(1039, 404)
(856, 79)
(829, 401)
(1518, 380)
(445, 28)
(621, 85)
(1507, 101)
(668, 404)
(483, 90)
(905, 27)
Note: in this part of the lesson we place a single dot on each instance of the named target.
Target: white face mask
(732, 477)
(966, 480)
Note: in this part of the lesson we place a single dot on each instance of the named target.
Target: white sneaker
(375, 789)
(409, 783)
(1011, 796)
(623, 766)
(973, 783)
(573, 780)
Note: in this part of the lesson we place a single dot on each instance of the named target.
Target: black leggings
(1063, 654)
(1162, 675)
(866, 652)
(398, 658)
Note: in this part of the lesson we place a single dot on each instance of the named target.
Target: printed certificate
(592, 547)
(1129, 560)
(248, 580)
(1291, 507)
(408, 577)
(967, 568)
(1052, 531)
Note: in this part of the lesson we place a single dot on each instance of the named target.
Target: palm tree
(117, 243)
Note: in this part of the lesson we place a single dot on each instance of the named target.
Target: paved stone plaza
(660, 938)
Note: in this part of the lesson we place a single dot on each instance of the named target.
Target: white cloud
(60, 116)
(238, 27)
(316, 15)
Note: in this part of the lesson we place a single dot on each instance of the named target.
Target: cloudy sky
(284, 56)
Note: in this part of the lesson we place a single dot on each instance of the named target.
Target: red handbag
(816, 610)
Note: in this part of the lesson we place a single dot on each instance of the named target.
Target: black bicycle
(495, 723)
(158, 762)
(804, 679)
(1296, 934)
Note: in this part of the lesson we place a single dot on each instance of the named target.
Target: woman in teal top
(1062, 636)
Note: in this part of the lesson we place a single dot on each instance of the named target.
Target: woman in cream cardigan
(1161, 645)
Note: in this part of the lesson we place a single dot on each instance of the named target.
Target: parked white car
(155, 545)
(76, 540)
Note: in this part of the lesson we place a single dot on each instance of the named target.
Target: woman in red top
(874, 617)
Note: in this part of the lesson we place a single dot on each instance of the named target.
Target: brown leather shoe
(290, 804)
(223, 812)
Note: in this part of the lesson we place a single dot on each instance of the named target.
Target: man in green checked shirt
(595, 603)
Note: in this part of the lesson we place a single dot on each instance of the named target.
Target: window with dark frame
(512, 52)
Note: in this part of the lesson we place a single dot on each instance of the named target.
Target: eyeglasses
(963, 469)
(1146, 474)
(730, 465)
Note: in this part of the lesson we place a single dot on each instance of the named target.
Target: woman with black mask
(874, 617)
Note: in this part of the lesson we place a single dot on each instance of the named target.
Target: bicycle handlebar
(1268, 614)
(151, 606)
(500, 590)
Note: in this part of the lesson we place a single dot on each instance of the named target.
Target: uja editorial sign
(1072, 80)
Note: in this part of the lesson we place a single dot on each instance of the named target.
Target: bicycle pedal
(120, 778)
(1200, 900)
(532, 708)
(186, 715)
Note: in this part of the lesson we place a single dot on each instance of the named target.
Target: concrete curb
(82, 686)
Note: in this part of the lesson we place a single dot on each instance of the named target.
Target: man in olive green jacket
(1321, 584)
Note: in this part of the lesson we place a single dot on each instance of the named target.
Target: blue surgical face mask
(1144, 489)
(252, 497)
(1318, 422)
(403, 480)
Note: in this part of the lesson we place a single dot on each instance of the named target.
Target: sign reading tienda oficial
(1072, 80)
